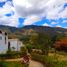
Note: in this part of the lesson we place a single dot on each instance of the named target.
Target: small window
(5, 33)
(0, 31)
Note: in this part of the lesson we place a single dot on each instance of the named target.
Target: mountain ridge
(42, 29)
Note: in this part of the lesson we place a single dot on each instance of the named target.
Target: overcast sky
(33, 12)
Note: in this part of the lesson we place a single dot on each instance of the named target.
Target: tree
(61, 44)
(29, 47)
(23, 51)
(41, 41)
(24, 39)
(56, 38)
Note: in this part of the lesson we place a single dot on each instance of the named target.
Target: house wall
(3, 45)
(14, 43)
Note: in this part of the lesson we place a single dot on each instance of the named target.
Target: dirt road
(32, 63)
(35, 64)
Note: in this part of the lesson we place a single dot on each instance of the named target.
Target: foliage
(43, 59)
(61, 44)
(23, 51)
(56, 38)
(24, 39)
(2, 63)
(49, 61)
(29, 47)
(13, 64)
(11, 54)
(37, 41)
(41, 41)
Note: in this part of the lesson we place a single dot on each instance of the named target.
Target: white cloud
(55, 9)
(33, 11)
(58, 26)
(45, 24)
(3, 0)
(31, 20)
(30, 7)
(49, 8)
(7, 8)
(65, 21)
(53, 23)
(63, 14)
(10, 21)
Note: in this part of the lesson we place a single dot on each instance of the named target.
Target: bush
(49, 61)
(14, 54)
(42, 58)
(23, 51)
(2, 62)
(12, 64)
(10, 55)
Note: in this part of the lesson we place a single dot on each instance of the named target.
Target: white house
(15, 44)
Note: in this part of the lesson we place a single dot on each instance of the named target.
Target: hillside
(46, 29)
(18, 32)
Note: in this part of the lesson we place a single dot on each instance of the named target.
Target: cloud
(42, 8)
(45, 24)
(30, 7)
(51, 9)
(53, 23)
(11, 20)
(65, 21)
(3, 0)
(56, 10)
(31, 20)
(32, 11)
(58, 26)
(63, 14)
(7, 8)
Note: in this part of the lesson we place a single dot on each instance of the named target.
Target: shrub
(43, 58)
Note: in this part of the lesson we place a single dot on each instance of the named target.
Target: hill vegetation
(26, 30)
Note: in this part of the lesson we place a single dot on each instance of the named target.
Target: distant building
(15, 44)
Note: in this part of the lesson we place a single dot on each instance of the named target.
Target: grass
(60, 64)
(50, 61)
(12, 64)
(47, 61)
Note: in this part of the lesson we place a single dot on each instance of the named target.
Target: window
(5, 33)
(0, 32)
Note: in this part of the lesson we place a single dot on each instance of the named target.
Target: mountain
(13, 32)
(48, 30)
(18, 32)
(8, 28)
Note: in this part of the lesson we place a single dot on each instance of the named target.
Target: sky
(18, 13)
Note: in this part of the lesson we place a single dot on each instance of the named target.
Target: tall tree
(41, 41)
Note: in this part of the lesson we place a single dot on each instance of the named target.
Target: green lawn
(12, 64)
